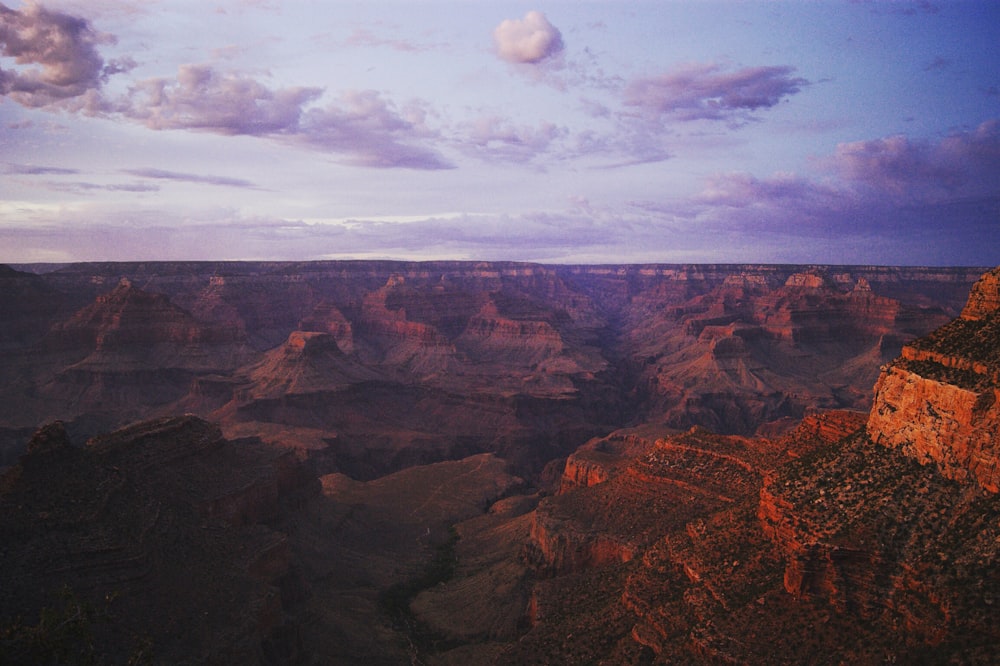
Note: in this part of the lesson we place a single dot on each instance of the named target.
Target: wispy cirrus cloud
(37, 170)
(146, 173)
(708, 91)
(161, 174)
(85, 187)
(362, 37)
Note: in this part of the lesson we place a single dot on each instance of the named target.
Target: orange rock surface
(940, 402)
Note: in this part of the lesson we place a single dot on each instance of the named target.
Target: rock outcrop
(123, 357)
(940, 401)
(984, 300)
(308, 362)
(614, 518)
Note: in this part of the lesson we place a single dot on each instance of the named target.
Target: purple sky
(598, 132)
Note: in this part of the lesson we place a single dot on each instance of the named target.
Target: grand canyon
(375, 462)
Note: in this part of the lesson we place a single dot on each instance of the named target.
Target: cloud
(365, 38)
(530, 40)
(80, 187)
(960, 165)
(708, 92)
(57, 64)
(118, 66)
(372, 132)
(369, 130)
(36, 170)
(937, 63)
(189, 177)
(893, 172)
(743, 190)
(55, 55)
(910, 9)
(496, 139)
(888, 200)
(200, 98)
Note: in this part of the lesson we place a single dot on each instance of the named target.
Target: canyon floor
(498, 463)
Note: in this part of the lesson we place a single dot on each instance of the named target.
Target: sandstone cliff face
(587, 468)
(308, 362)
(984, 299)
(128, 316)
(821, 546)
(940, 401)
(826, 542)
(939, 423)
(327, 318)
(125, 356)
(601, 458)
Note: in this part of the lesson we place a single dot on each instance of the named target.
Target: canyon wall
(940, 401)
(381, 438)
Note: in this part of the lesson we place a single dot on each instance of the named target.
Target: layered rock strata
(519, 359)
(940, 401)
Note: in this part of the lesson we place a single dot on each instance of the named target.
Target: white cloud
(528, 40)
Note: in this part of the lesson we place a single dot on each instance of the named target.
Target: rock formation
(731, 348)
(500, 463)
(832, 543)
(984, 300)
(940, 402)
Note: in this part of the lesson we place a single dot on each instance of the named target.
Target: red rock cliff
(985, 297)
(940, 401)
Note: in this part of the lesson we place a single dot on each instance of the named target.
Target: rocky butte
(498, 463)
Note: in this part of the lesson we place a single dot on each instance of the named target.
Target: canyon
(460, 462)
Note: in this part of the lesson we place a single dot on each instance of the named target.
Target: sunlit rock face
(984, 300)
(940, 401)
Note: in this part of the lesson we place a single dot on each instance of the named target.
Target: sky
(807, 131)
